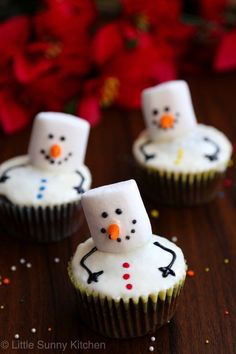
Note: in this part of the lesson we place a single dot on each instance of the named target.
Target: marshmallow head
(168, 110)
(116, 217)
(58, 141)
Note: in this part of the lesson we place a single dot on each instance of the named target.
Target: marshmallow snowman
(116, 217)
(168, 110)
(58, 141)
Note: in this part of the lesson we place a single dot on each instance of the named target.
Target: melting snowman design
(121, 235)
(169, 115)
(54, 164)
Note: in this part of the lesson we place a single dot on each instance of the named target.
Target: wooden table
(42, 297)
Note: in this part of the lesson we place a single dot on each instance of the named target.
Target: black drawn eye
(62, 138)
(134, 221)
(118, 211)
(155, 112)
(132, 231)
(154, 122)
(50, 136)
(104, 214)
(103, 231)
(166, 109)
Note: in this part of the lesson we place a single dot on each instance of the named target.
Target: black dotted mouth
(55, 161)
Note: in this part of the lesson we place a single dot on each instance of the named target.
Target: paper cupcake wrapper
(41, 224)
(126, 319)
(175, 188)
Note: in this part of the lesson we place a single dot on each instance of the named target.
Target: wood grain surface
(42, 297)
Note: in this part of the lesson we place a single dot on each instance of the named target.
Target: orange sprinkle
(191, 273)
(6, 281)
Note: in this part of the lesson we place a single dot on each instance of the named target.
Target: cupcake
(40, 192)
(127, 279)
(178, 161)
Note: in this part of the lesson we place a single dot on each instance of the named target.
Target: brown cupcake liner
(126, 319)
(40, 224)
(178, 189)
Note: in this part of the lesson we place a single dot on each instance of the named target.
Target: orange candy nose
(167, 121)
(55, 151)
(113, 231)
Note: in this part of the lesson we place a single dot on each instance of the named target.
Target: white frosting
(29, 185)
(120, 205)
(58, 141)
(168, 110)
(145, 277)
(186, 154)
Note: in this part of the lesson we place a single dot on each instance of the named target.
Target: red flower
(226, 53)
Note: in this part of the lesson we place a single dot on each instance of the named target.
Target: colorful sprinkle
(13, 268)
(6, 281)
(28, 265)
(154, 213)
(180, 155)
(126, 276)
(125, 265)
(151, 348)
(207, 269)
(191, 273)
(226, 312)
(33, 330)
(56, 259)
(49, 329)
(153, 339)
(39, 196)
(174, 239)
(42, 188)
(207, 341)
(129, 286)
(226, 260)
(2, 307)
(16, 336)
(22, 261)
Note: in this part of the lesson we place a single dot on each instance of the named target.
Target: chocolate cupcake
(40, 192)
(127, 279)
(178, 161)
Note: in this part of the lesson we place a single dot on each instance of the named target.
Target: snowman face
(116, 217)
(58, 141)
(168, 110)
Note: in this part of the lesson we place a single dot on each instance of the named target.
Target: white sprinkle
(151, 348)
(28, 265)
(56, 259)
(33, 330)
(153, 339)
(22, 261)
(16, 336)
(13, 268)
(174, 239)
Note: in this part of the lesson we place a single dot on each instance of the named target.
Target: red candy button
(129, 286)
(126, 276)
(125, 265)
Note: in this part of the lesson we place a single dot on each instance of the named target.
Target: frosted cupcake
(40, 192)
(179, 162)
(127, 279)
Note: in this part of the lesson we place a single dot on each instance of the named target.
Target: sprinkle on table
(28, 265)
(151, 348)
(2, 307)
(191, 273)
(174, 239)
(207, 269)
(13, 268)
(16, 336)
(33, 330)
(226, 260)
(226, 312)
(22, 261)
(207, 341)
(154, 213)
(6, 281)
(153, 339)
(49, 329)
(56, 260)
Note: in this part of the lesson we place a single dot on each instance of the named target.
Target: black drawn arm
(4, 177)
(80, 188)
(215, 155)
(167, 269)
(146, 155)
(92, 276)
